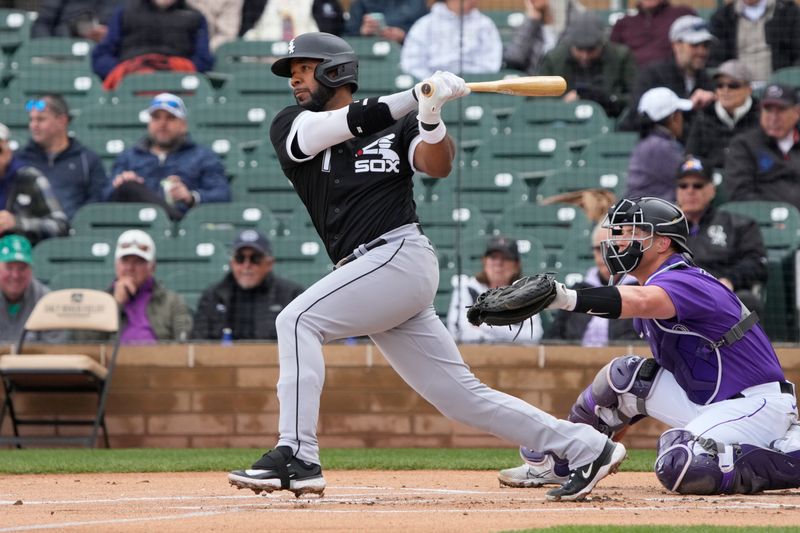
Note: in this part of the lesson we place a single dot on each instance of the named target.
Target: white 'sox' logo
(389, 160)
(291, 46)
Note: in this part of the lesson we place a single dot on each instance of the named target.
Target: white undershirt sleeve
(316, 131)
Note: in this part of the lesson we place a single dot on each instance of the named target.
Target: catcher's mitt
(515, 303)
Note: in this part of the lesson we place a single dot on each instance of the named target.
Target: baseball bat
(522, 86)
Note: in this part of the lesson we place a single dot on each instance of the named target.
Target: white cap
(170, 103)
(138, 243)
(659, 103)
(4, 133)
(690, 29)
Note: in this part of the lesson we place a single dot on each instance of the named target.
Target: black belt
(370, 246)
(786, 388)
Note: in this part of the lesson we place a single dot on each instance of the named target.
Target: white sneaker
(531, 475)
(789, 442)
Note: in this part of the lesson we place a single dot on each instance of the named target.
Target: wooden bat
(522, 86)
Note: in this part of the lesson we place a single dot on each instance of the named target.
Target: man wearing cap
(19, 291)
(75, 172)
(27, 204)
(685, 73)
(765, 34)
(657, 156)
(728, 246)
(734, 112)
(594, 68)
(166, 167)
(248, 299)
(764, 163)
(149, 312)
(502, 265)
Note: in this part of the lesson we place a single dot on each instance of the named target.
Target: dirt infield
(360, 501)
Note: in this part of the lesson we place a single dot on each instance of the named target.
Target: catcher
(714, 378)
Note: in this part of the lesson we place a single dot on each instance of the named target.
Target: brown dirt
(361, 501)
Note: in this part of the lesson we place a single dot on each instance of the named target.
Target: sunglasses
(169, 103)
(695, 186)
(255, 259)
(732, 86)
(38, 105)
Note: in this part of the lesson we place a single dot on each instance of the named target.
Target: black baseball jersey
(354, 191)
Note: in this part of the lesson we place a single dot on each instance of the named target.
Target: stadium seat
(86, 277)
(378, 66)
(190, 252)
(532, 254)
(190, 282)
(222, 222)
(109, 219)
(304, 251)
(236, 56)
(39, 375)
(780, 226)
(109, 146)
(612, 150)
(575, 259)
(52, 53)
(63, 254)
(272, 191)
(445, 224)
(489, 189)
(78, 87)
(576, 122)
(787, 75)
(15, 29)
(507, 21)
(115, 121)
(241, 120)
(542, 151)
(579, 178)
(257, 86)
(305, 275)
(193, 88)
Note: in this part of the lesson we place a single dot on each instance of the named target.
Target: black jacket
(216, 308)
(730, 246)
(59, 18)
(756, 169)
(782, 33)
(709, 138)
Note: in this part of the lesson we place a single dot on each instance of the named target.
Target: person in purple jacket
(714, 376)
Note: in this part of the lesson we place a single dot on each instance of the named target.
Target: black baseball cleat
(582, 480)
(278, 469)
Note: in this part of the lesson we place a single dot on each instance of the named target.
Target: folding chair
(69, 309)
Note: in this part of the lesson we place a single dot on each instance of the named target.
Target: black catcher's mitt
(515, 303)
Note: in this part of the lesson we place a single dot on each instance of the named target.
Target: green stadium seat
(15, 29)
(87, 277)
(241, 120)
(780, 226)
(193, 88)
(787, 75)
(62, 254)
(580, 178)
(108, 147)
(16, 120)
(612, 150)
(305, 275)
(576, 122)
(190, 282)
(115, 121)
(506, 21)
(52, 53)
(222, 222)
(190, 252)
(532, 254)
(489, 189)
(575, 259)
(379, 61)
(545, 151)
(236, 56)
(272, 191)
(80, 88)
(109, 219)
(445, 224)
(293, 252)
(257, 86)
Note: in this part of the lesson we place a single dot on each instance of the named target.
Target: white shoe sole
(314, 485)
(617, 456)
(528, 483)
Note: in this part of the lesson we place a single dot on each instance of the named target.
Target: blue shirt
(705, 311)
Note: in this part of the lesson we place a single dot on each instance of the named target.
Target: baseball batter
(715, 378)
(351, 163)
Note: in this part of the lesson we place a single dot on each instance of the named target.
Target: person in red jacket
(647, 32)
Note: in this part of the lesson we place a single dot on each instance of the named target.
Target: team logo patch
(387, 160)
(291, 46)
(717, 235)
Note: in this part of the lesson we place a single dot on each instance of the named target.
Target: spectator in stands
(149, 35)
(594, 68)
(27, 204)
(84, 19)
(248, 299)
(149, 312)
(390, 19)
(647, 32)
(166, 167)
(502, 265)
(223, 18)
(328, 15)
(433, 41)
(734, 111)
(75, 172)
(657, 156)
(283, 20)
(587, 329)
(684, 73)
(19, 291)
(729, 246)
(764, 34)
(764, 163)
(532, 39)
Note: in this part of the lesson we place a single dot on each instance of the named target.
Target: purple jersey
(706, 310)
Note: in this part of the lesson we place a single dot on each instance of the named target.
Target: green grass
(73, 461)
(660, 529)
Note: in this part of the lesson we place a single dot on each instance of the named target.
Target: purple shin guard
(560, 468)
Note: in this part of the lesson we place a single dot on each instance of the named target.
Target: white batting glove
(446, 86)
(565, 298)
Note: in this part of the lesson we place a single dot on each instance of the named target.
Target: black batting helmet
(655, 216)
(334, 52)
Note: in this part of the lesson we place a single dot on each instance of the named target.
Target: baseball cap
(5, 134)
(506, 246)
(15, 248)
(169, 103)
(251, 238)
(660, 102)
(692, 166)
(585, 31)
(735, 69)
(689, 29)
(136, 242)
(779, 94)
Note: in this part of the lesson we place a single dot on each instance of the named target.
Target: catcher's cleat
(279, 470)
(539, 469)
(582, 480)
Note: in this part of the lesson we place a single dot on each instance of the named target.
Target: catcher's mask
(644, 218)
(339, 65)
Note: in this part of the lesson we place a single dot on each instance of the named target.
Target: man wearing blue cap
(166, 167)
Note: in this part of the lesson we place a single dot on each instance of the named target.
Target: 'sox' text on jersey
(380, 157)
